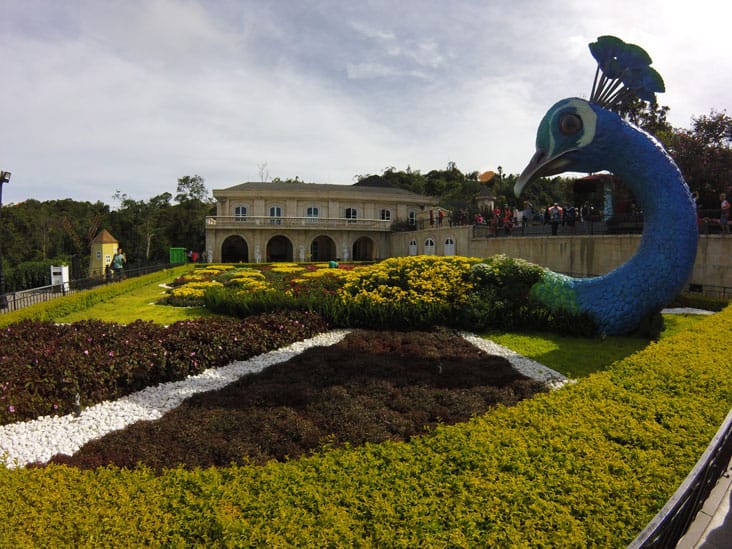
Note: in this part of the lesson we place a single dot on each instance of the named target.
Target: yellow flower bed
(287, 268)
(187, 279)
(194, 289)
(320, 273)
(252, 285)
(218, 266)
(416, 279)
(248, 274)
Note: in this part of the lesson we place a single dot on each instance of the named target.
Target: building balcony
(286, 222)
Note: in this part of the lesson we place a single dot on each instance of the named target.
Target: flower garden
(401, 434)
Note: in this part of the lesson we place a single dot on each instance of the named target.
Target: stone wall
(580, 255)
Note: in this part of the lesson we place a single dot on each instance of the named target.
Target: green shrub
(29, 274)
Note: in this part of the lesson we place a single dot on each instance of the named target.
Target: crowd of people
(506, 220)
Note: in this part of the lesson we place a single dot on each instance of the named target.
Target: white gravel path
(526, 366)
(42, 438)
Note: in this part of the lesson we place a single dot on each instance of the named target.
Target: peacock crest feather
(588, 136)
(623, 71)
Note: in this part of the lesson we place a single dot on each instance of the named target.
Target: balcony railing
(267, 222)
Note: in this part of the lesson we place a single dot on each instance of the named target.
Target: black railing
(12, 301)
(672, 522)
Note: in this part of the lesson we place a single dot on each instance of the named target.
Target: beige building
(262, 222)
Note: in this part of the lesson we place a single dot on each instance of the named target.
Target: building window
(412, 217)
(240, 213)
(351, 215)
(312, 212)
(412, 247)
(386, 215)
(429, 246)
(275, 214)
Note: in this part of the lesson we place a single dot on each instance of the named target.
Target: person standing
(526, 216)
(570, 218)
(118, 263)
(724, 214)
(555, 217)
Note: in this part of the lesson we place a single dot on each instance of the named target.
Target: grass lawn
(578, 357)
(137, 305)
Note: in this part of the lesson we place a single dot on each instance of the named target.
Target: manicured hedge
(586, 466)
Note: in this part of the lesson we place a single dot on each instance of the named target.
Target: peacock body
(585, 136)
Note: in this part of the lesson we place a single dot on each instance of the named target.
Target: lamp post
(4, 178)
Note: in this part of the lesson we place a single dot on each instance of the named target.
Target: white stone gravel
(686, 310)
(526, 366)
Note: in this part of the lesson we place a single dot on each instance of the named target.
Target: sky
(101, 96)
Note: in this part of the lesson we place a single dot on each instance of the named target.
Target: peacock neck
(669, 215)
(665, 257)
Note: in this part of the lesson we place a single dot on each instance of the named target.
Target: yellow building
(103, 248)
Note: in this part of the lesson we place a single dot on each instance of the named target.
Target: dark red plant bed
(371, 387)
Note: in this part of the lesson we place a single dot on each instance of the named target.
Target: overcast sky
(98, 96)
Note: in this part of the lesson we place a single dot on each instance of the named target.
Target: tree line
(36, 235)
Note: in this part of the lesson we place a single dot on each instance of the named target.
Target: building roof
(326, 188)
(104, 237)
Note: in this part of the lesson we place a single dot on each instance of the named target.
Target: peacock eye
(570, 123)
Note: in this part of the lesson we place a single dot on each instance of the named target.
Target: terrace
(269, 222)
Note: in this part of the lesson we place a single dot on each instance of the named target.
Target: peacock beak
(541, 165)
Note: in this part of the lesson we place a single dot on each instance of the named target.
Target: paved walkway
(712, 527)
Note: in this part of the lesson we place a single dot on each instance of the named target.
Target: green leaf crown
(623, 72)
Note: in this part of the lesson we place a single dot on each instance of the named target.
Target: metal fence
(672, 522)
(598, 224)
(12, 301)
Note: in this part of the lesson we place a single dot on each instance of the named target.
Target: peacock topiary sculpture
(588, 136)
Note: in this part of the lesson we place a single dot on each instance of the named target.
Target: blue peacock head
(569, 136)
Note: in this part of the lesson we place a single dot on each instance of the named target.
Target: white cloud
(132, 95)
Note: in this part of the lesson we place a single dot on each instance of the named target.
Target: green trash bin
(177, 255)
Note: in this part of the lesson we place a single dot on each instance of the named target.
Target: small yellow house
(103, 248)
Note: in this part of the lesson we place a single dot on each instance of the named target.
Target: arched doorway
(234, 250)
(449, 246)
(363, 249)
(279, 248)
(412, 247)
(322, 249)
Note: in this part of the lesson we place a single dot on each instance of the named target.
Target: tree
(649, 116)
(187, 219)
(704, 155)
(191, 188)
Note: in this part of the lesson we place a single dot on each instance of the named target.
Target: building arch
(322, 248)
(363, 249)
(413, 247)
(234, 249)
(279, 248)
(429, 246)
